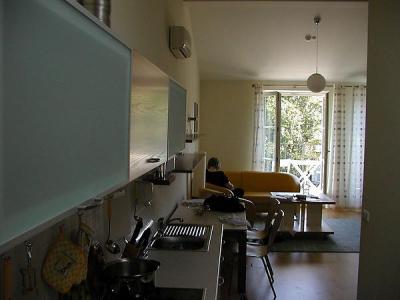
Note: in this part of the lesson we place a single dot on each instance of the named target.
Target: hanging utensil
(138, 227)
(143, 241)
(130, 247)
(83, 239)
(96, 262)
(28, 273)
(84, 234)
(111, 245)
(7, 278)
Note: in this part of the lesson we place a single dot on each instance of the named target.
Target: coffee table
(303, 216)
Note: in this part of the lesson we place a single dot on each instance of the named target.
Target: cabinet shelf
(170, 178)
(190, 138)
(187, 162)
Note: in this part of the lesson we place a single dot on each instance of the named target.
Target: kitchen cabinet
(176, 118)
(64, 112)
(149, 117)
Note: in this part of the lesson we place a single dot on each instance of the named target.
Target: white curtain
(345, 180)
(259, 131)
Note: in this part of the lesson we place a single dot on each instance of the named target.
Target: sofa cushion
(235, 177)
(259, 185)
(253, 181)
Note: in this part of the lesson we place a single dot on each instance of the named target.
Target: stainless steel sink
(184, 237)
(179, 243)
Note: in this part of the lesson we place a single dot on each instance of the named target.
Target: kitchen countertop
(193, 269)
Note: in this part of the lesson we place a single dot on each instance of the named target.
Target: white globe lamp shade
(316, 83)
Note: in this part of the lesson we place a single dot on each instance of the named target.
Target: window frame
(280, 91)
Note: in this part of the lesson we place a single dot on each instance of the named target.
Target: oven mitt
(64, 265)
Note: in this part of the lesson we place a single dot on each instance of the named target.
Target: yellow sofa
(259, 185)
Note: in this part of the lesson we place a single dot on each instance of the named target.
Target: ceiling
(265, 40)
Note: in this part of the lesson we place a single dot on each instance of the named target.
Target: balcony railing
(308, 172)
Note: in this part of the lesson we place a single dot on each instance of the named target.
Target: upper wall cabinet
(149, 116)
(64, 112)
(176, 118)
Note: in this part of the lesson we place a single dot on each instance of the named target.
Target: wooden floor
(341, 213)
(319, 276)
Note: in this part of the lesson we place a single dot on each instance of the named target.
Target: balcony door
(295, 136)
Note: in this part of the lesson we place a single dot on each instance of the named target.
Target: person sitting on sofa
(215, 176)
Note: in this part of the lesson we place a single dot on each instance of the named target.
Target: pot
(130, 278)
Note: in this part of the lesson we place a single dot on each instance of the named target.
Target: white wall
(379, 268)
(226, 118)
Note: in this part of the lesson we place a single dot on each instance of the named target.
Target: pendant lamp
(316, 82)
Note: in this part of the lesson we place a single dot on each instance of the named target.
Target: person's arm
(229, 185)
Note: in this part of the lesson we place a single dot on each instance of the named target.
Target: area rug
(346, 239)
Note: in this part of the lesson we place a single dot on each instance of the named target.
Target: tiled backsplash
(163, 199)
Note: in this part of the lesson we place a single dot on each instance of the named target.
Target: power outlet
(365, 215)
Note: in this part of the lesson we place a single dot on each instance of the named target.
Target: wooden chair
(261, 250)
(250, 211)
(267, 216)
(211, 189)
(259, 242)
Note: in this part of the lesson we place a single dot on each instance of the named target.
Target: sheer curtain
(345, 180)
(259, 131)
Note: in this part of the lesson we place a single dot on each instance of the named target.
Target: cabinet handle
(153, 160)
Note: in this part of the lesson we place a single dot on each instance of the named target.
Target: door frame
(278, 92)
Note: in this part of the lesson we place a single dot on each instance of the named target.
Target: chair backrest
(250, 210)
(272, 207)
(276, 222)
(213, 189)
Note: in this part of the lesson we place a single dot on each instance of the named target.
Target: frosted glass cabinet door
(64, 112)
(176, 118)
(149, 116)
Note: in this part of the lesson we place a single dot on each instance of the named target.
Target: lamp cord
(316, 56)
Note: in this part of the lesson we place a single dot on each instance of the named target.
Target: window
(294, 135)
